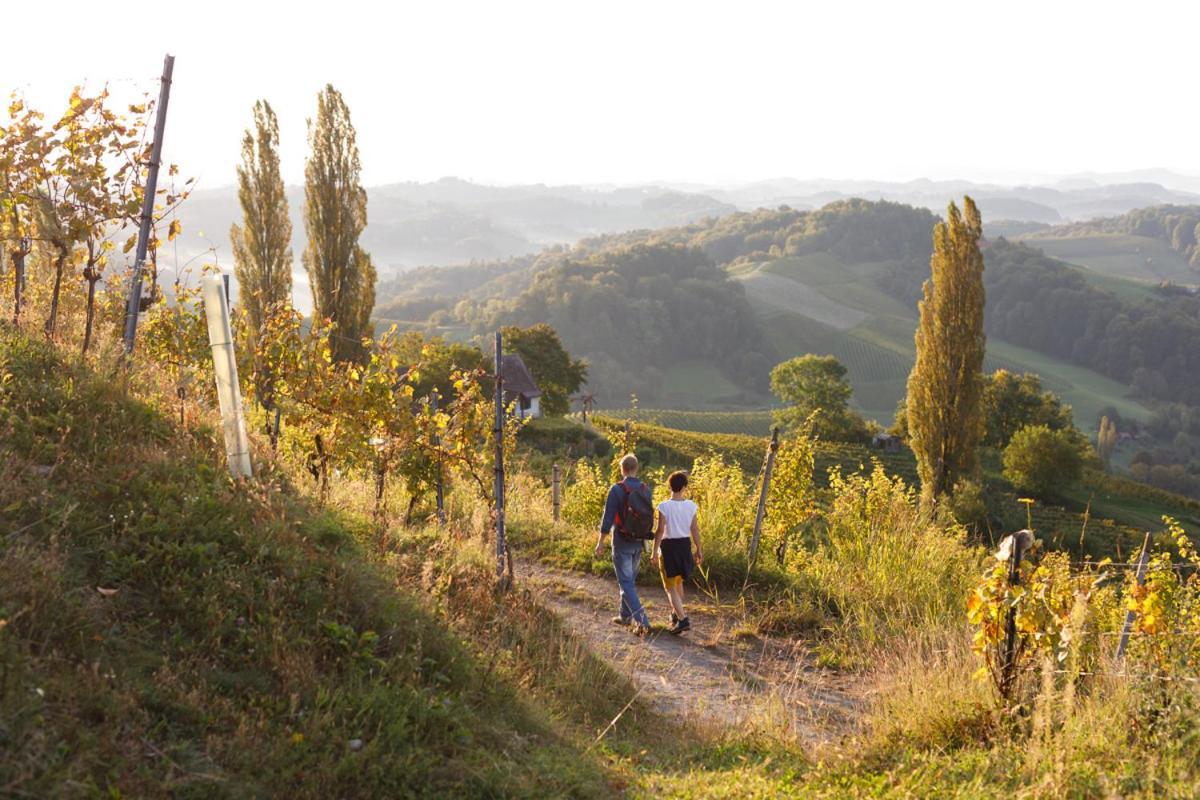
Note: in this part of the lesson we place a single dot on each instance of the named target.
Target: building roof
(517, 379)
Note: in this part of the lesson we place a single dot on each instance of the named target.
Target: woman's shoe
(680, 626)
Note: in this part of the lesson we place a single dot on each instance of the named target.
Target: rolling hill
(846, 314)
(1159, 243)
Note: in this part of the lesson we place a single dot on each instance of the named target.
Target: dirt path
(718, 672)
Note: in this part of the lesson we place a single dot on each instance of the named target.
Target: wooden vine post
(556, 491)
(1140, 576)
(761, 513)
(498, 434)
(1021, 541)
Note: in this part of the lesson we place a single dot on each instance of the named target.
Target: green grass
(1137, 258)
(166, 632)
(1087, 391)
(1127, 289)
(697, 384)
(243, 639)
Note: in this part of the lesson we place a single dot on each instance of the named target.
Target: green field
(699, 384)
(871, 333)
(1119, 255)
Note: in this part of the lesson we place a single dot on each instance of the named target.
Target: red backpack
(635, 520)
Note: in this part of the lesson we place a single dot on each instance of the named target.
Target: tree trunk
(59, 265)
(322, 469)
(380, 486)
(18, 260)
(412, 504)
(92, 277)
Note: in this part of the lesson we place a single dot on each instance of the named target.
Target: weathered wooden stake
(498, 433)
(556, 491)
(1140, 576)
(761, 514)
(440, 487)
(24, 247)
(133, 306)
(1021, 540)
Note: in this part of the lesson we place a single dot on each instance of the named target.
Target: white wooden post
(229, 395)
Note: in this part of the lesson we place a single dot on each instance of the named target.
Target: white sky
(621, 92)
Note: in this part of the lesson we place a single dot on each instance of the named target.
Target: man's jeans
(625, 562)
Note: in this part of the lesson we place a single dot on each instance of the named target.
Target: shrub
(584, 494)
(1042, 461)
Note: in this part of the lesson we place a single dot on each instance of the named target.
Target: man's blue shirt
(612, 507)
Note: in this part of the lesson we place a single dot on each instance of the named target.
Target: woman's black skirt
(677, 558)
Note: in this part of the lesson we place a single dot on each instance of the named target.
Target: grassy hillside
(1119, 255)
(845, 313)
(165, 632)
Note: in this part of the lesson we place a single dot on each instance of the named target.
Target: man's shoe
(680, 626)
(621, 621)
(641, 630)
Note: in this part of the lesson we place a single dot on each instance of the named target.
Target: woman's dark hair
(677, 481)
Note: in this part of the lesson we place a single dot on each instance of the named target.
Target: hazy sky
(620, 92)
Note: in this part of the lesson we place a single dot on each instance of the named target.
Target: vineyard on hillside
(744, 423)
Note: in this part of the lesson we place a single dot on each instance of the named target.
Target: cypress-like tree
(262, 253)
(945, 389)
(335, 212)
(1106, 439)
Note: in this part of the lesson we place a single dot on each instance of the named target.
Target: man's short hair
(629, 464)
(678, 481)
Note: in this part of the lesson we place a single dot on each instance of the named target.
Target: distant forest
(1041, 303)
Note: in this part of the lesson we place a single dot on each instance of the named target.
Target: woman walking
(678, 531)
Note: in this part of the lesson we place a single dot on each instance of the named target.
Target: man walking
(630, 511)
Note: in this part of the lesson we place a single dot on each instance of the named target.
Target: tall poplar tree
(945, 389)
(262, 253)
(335, 213)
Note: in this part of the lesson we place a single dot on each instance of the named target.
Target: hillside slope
(1156, 243)
(165, 632)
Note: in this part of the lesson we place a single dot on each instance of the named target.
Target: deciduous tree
(340, 272)
(815, 388)
(945, 388)
(262, 254)
(557, 374)
(1042, 461)
(1012, 401)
